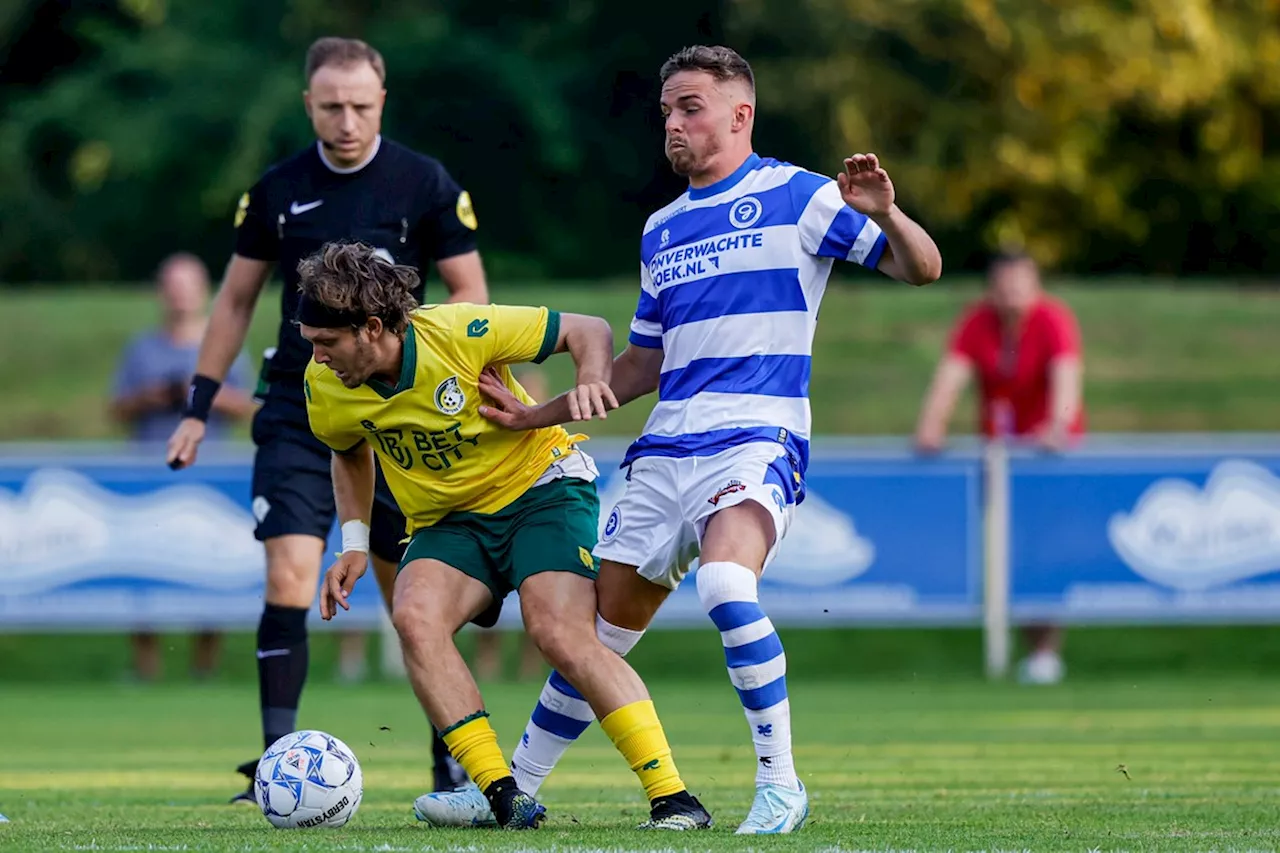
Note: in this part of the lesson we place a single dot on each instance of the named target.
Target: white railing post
(995, 599)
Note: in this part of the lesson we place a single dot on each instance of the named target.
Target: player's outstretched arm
(911, 255)
(635, 373)
(949, 380)
(353, 483)
(589, 340)
(228, 324)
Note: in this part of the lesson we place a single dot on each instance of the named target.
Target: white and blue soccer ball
(308, 779)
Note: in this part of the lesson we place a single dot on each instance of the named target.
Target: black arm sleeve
(448, 224)
(257, 235)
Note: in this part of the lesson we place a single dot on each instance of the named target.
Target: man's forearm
(915, 255)
(591, 346)
(1064, 395)
(464, 278)
(353, 481)
(628, 381)
(223, 339)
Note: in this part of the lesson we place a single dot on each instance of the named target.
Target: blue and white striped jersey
(731, 278)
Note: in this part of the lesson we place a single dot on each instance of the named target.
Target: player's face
(345, 106)
(1014, 287)
(347, 352)
(700, 117)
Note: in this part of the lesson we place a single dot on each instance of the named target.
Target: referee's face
(345, 106)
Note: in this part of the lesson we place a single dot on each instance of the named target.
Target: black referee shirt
(401, 202)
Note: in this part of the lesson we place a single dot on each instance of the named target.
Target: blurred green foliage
(1136, 135)
(1141, 135)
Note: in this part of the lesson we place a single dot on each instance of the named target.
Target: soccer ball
(308, 779)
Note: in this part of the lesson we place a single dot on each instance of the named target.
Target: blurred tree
(1140, 135)
(1099, 134)
(546, 111)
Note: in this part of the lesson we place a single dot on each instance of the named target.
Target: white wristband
(355, 536)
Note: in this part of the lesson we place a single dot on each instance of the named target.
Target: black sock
(439, 750)
(282, 669)
(499, 794)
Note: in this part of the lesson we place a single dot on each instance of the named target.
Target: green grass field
(903, 765)
(1157, 358)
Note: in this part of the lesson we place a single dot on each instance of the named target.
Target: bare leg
(208, 649)
(559, 611)
(626, 605)
(146, 655)
(489, 655)
(530, 660)
(432, 601)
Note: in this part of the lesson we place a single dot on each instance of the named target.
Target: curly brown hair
(352, 277)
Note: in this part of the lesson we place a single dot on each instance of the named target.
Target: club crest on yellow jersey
(449, 396)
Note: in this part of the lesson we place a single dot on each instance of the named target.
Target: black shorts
(293, 489)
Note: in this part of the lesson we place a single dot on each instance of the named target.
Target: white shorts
(658, 523)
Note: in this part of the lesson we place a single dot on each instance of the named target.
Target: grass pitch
(1156, 764)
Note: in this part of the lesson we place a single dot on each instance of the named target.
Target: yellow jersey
(438, 454)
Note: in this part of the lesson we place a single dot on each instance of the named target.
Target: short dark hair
(178, 259)
(341, 52)
(352, 277)
(722, 63)
(1009, 255)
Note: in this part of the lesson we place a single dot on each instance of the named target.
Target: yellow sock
(636, 732)
(474, 744)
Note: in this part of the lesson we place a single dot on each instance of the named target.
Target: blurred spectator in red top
(1024, 348)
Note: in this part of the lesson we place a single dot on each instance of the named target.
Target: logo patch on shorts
(585, 556)
(611, 526)
(449, 396)
(261, 506)
(778, 498)
(727, 489)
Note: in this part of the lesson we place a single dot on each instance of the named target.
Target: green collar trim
(408, 367)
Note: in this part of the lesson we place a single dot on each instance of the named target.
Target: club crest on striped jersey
(745, 212)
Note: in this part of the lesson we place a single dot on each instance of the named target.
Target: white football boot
(776, 810)
(467, 806)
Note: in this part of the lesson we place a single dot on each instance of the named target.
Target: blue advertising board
(110, 538)
(105, 540)
(1157, 537)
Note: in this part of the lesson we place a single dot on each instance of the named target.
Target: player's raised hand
(184, 443)
(590, 399)
(340, 580)
(865, 186)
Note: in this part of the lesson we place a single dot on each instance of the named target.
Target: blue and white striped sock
(757, 665)
(560, 717)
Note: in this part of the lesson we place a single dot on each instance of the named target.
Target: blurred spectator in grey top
(156, 370)
(151, 381)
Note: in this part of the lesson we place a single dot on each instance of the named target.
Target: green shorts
(550, 528)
